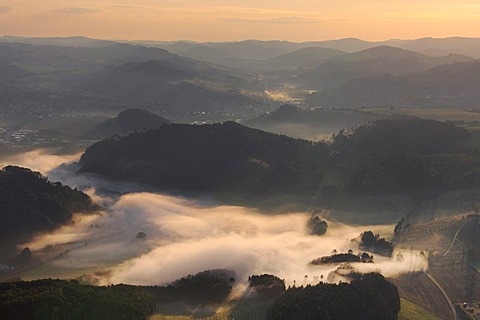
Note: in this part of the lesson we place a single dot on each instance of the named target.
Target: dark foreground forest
(368, 297)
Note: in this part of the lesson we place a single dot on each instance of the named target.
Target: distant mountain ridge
(77, 41)
(247, 54)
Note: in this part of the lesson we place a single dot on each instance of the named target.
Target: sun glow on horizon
(227, 20)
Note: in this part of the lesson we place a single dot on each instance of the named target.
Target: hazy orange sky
(217, 20)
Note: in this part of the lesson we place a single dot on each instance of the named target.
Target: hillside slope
(373, 61)
(29, 203)
(452, 85)
(221, 157)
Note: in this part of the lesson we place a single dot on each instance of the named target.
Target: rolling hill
(373, 61)
(452, 85)
(304, 57)
(183, 85)
(224, 157)
(119, 76)
(258, 56)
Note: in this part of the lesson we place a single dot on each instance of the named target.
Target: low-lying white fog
(42, 160)
(151, 238)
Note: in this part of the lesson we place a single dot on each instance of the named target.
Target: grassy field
(411, 311)
(434, 113)
(255, 311)
(240, 310)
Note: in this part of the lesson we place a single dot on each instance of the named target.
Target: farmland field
(411, 311)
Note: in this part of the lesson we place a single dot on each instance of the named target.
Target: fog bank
(186, 236)
(183, 237)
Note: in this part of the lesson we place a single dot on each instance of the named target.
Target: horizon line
(233, 41)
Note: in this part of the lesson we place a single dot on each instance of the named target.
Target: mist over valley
(255, 179)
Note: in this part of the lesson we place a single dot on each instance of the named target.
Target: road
(454, 239)
(450, 304)
(435, 282)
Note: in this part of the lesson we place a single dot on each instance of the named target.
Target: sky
(231, 20)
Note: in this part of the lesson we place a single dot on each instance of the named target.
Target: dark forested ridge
(399, 136)
(407, 156)
(29, 203)
(218, 157)
(366, 298)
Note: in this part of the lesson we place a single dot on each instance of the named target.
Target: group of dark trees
(368, 297)
(343, 257)
(211, 286)
(407, 156)
(267, 286)
(373, 243)
(29, 203)
(317, 226)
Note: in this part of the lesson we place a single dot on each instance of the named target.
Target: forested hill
(383, 157)
(29, 203)
(408, 157)
(397, 136)
(218, 157)
(127, 121)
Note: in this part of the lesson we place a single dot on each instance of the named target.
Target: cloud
(276, 20)
(78, 10)
(5, 9)
(130, 6)
(293, 20)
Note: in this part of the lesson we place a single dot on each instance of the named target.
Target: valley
(239, 180)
